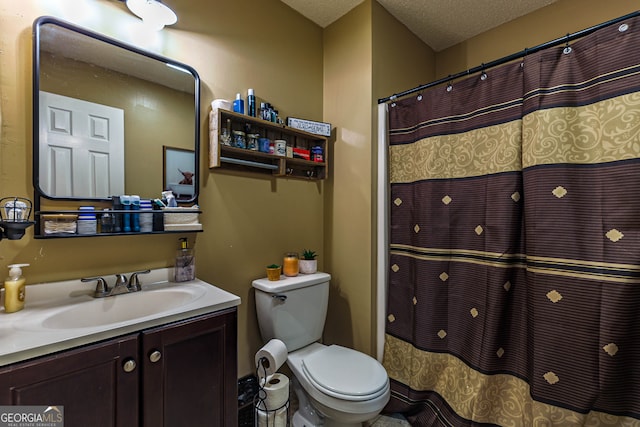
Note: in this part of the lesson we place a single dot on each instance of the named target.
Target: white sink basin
(120, 308)
(62, 315)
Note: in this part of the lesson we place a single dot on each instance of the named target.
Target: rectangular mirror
(103, 112)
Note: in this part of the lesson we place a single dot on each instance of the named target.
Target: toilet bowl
(343, 385)
(338, 386)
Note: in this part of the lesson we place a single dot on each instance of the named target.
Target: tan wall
(397, 69)
(362, 63)
(249, 220)
(546, 24)
(347, 102)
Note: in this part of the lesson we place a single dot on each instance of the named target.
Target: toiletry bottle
(251, 103)
(185, 267)
(117, 217)
(106, 221)
(238, 104)
(87, 222)
(135, 215)
(146, 216)
(126, 217)
(171, 199)
(14, 289)
(158, 215)
(263, 109)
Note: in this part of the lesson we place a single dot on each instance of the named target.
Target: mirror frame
(38, 23)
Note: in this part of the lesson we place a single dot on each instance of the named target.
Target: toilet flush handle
(281, 298)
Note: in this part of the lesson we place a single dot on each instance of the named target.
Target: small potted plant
(273, 272)
(308, 263)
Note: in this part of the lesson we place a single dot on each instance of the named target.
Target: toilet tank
(292, 309)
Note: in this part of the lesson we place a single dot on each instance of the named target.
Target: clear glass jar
(252, 141)
(106, 222)
(225, 136)
(239, 139)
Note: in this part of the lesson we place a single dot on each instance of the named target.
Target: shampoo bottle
(14, 289)
(238, 104)
(185, 267)
(126, 218)
(135, 216)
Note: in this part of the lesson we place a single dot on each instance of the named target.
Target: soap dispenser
(14, 289)
(185, 266)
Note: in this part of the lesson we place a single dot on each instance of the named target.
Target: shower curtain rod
(511, 57)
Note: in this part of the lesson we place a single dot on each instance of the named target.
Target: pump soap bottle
(14, 289)
(185, 267)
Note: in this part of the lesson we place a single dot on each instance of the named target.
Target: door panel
(81, 147)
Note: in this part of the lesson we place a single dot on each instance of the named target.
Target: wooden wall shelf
(243, 159)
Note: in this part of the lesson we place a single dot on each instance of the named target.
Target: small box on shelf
(182, 219)
(63, 224)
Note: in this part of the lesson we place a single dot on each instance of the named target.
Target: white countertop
(25, 334)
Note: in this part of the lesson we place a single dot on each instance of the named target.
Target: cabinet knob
(129, 365)
(155, 356)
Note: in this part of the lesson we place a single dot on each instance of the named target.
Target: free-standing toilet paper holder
(264, 416)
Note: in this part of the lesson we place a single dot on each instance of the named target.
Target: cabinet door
(90, 382)
(190, 372)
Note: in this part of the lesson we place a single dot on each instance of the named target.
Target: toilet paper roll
(275, 354)
(272, 418)
(276, 392)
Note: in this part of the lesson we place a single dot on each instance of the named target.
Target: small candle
(290, 264)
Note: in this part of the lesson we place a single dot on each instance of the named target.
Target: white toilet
(340, 386)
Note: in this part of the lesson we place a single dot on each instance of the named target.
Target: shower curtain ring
(449, 85)
(483, 75)
(567, 49)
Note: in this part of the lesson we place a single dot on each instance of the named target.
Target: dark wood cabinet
(190, 373)
(89, 382)
(179, 374)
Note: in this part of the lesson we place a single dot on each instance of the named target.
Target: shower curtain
(514, 242)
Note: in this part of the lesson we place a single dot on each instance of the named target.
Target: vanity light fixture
(153, 13)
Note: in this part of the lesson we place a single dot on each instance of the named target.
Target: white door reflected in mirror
(81, 144)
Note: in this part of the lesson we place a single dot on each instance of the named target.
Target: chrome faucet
(122, 285)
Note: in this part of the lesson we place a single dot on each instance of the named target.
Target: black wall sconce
(14, 217)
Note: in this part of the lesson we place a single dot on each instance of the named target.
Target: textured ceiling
(439, 23)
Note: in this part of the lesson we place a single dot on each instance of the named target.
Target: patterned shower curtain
(514, 247)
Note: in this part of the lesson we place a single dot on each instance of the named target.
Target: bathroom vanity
(169, 361)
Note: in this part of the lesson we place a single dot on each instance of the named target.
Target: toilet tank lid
(290, 283)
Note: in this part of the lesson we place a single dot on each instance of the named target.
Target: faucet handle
(134, 282)
(102, 289)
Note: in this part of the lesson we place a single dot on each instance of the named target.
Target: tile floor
(395, 420)
(388, 421)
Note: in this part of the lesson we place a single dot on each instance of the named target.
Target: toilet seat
(345, 374)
